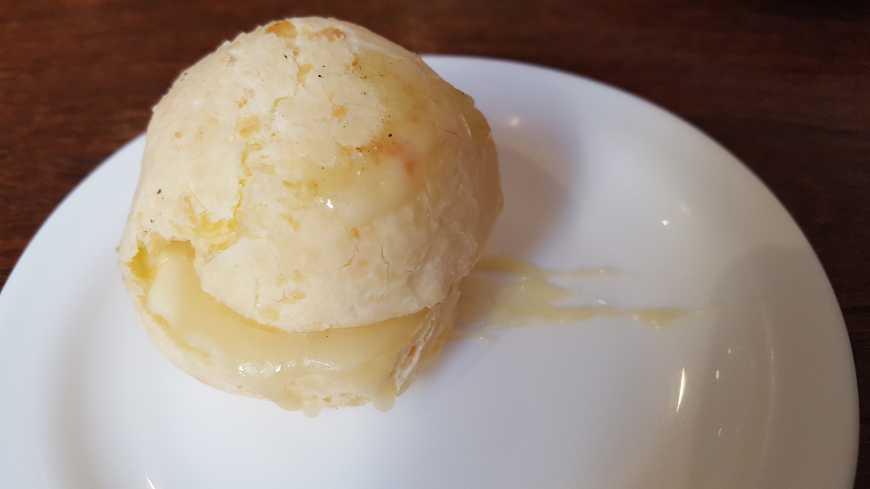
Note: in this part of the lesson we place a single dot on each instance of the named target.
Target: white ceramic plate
(756, 388)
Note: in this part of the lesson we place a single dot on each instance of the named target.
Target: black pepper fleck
(390, 135)
(319, 76)
(159, 190)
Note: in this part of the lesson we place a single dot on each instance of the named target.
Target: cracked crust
(324, 176)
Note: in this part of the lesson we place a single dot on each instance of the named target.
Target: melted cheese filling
(296, 370)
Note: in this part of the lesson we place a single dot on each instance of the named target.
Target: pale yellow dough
(313, 176)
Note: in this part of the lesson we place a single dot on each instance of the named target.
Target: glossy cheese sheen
(366, 181)
(293, 369)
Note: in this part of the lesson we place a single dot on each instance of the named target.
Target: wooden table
(784, 85)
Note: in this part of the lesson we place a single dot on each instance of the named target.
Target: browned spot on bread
(387, 149)
(330, 34)
(354, 232)
(283, 29)
(346, 151)
(248, 126)
(296, 296)
(409, 165)
(293, 223)
(339, 111)
(303, 72)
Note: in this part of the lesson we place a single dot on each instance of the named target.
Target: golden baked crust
(324, 177)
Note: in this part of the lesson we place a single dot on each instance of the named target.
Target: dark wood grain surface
(784, 85)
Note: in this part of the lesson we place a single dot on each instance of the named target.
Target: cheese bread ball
(315, 181)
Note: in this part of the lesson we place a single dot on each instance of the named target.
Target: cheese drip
(296, 370)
